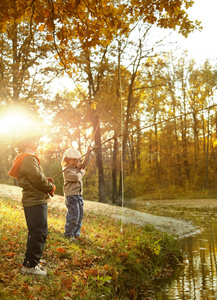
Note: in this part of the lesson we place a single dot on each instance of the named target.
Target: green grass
(176, 192)
(108, 264)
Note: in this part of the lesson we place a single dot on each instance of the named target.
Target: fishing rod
(128, 132)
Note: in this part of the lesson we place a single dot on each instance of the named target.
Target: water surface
(197, 277)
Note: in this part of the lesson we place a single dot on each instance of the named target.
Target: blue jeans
(74, 215)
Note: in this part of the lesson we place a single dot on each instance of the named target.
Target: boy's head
(71, 156)
(28, 140)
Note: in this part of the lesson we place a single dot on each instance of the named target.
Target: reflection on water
(197, 279)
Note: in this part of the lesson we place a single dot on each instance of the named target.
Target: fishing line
(122, 159)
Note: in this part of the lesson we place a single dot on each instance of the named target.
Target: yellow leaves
(70, 73)
(95, 22)
(93, 105)
(155, 248)
(41, 27)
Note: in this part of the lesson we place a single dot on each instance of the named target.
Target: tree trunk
(150, 148)
(126, 127)
(184, 149)
(132, 155)
(156, 146)
(114, 170)
(97, 135)
(179, 176)
(15, 75)
(207, 154)
(138, 161)
(196, 144)
(204, 135)
(98, 154)
(184, 143)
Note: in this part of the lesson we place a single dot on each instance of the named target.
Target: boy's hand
(50, 179)
(53, 190)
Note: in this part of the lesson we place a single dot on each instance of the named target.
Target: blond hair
(66, 161)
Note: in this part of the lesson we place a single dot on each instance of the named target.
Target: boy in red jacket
(35, 196)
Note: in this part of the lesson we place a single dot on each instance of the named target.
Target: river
(196, 279)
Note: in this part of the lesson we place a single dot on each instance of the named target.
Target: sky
(202, 45)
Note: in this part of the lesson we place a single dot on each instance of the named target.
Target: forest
(148, 112)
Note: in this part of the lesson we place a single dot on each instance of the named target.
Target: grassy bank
(106, 264)
(175, 192)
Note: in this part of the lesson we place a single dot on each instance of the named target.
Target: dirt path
(165, 224)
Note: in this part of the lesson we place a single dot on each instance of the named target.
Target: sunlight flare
(15, 122)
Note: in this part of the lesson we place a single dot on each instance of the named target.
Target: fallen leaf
(10, 254)
(67, 283)
(61, 250)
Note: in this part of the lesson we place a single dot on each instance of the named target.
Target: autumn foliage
(95, 22)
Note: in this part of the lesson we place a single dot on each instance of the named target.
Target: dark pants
(36, 220)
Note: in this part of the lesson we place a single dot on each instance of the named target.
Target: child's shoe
(37, 270)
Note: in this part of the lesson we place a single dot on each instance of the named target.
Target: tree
(24, 69)
(174, 103)
(210, 83)
(22, 74)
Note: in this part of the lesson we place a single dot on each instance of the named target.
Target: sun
(15, 122)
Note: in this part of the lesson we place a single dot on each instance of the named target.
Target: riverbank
(140, 217)
(199, 212)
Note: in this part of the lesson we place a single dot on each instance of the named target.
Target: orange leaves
(111, 271)
(41, 27)
(67, 283)
(61, 250)
(46, 14)
(10, 254)
(92, 272)
(133, 294)
(49, 38)
(93, 106)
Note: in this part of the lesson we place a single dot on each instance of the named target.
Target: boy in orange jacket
(35, 196)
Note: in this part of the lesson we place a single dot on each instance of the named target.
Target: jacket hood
(14, 171)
